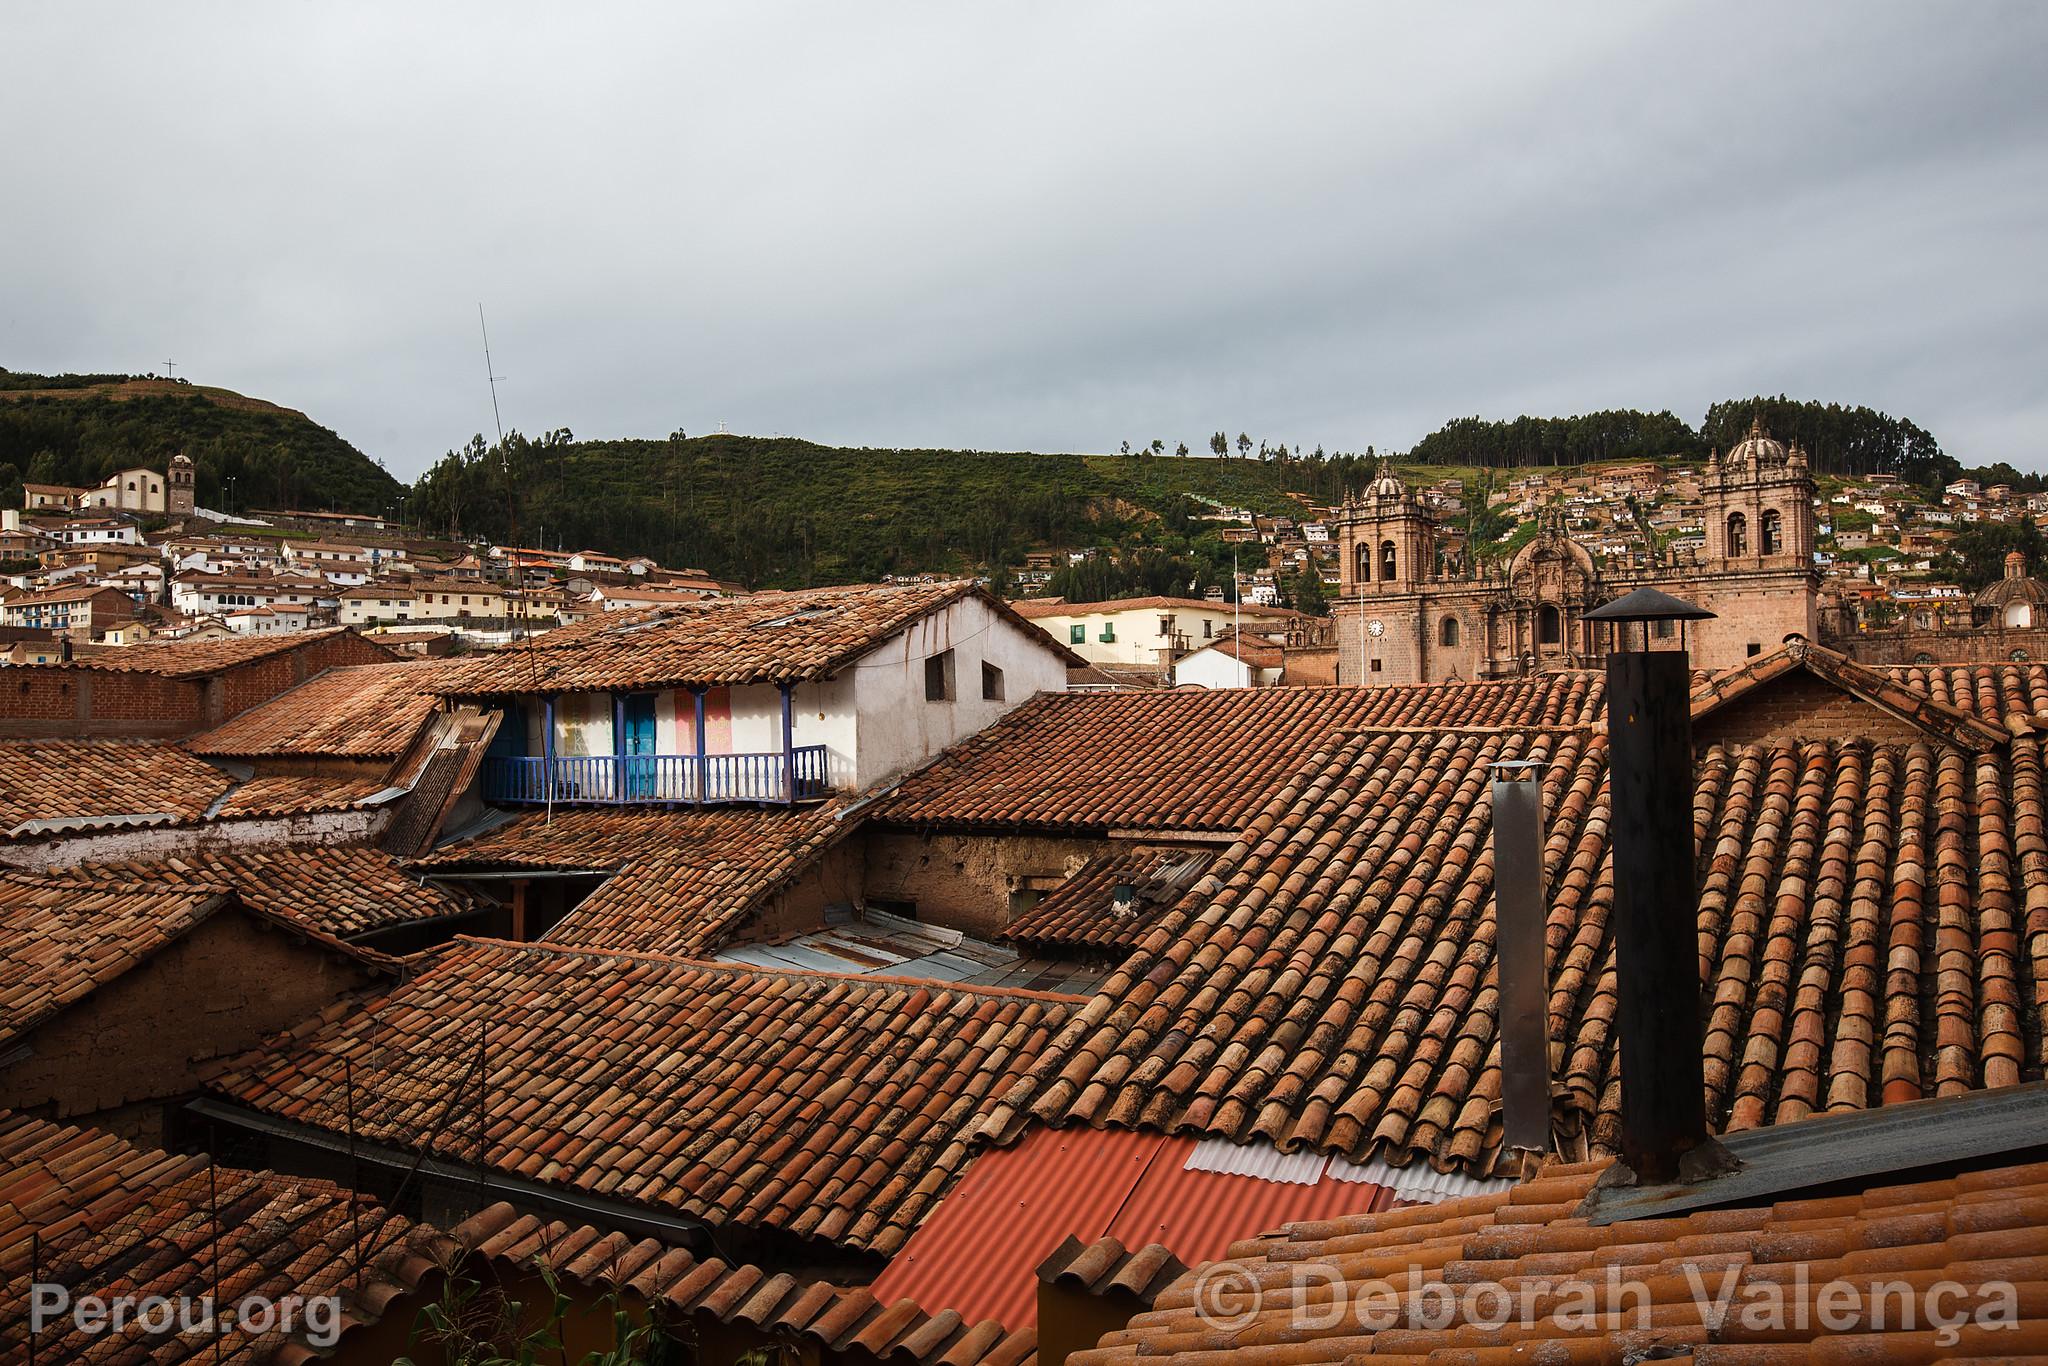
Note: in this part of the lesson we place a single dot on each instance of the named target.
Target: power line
(490, 374)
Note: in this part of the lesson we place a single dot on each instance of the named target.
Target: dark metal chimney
(1519, 903)
(1649, 764)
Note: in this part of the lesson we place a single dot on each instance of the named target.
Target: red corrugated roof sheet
(978, 1252)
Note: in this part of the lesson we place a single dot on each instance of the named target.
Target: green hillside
(785, 512)
(77, 429)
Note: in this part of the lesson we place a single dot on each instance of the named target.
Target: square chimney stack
(1656, 895)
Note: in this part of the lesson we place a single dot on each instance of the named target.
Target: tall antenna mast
(490, 374)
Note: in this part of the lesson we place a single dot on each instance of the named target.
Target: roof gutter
(532, 1195)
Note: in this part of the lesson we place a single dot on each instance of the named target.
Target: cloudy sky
(1035, 226)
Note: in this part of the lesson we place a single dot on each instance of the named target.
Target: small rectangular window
(991, 682)
(938, 677)
(1754, 650)
(1376, 666)
(1166, 626)
(1077, 634)
(1108, 636)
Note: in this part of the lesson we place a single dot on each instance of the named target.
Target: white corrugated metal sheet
(1262, 1160)
(1417, 1184)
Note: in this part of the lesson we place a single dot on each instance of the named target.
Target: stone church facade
(1408, 614)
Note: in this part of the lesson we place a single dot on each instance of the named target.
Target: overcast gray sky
(1043, 226)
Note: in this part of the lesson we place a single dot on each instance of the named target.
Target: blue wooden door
(637, 740)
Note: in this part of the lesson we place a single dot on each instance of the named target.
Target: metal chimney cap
(1647, 604)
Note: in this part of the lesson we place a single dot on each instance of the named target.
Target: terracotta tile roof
(683, 880)
(803, 1311)
(763, 638)
(1082, 913)
(1901, 699)
(1191, 759)
(370, 711)
(1990, 692)
(342, 890)
(52, 779)
(1469, 1256)
(196, 658)
(116, 1220)
(832, 1108)
(1873, 927)
(294, 795)
(1106, 1265)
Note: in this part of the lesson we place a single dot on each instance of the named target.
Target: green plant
(472, 1324)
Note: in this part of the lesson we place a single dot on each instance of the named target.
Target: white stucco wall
(1211, 669)
(899, 728)
(1138, 638)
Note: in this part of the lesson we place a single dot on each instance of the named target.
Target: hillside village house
(198, 594)
(1150, 632)
(81, 613)
(50, 497)
(779, 697)
(371, 604)
(268, 621)
(455, 599)
(98, 531)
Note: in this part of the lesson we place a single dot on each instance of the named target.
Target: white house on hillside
(1152, 632)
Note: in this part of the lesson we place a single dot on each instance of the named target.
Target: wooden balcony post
(547, 747)
(698, 796)
(788, 746)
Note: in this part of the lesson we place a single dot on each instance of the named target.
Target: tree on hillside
(1182, 451)
(1158, 447)
(1220, 444)
(1618, 434)
(1244, 445)
(1976, 557)
(1838, 439)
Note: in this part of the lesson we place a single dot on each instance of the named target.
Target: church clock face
(1376, 628)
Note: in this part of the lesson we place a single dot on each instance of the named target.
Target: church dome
(2014, 589)
(1757, 448)
(1387, 484)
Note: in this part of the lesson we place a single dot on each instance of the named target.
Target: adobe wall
(1308, 666)
(1801, 707)
(835, 878)
(965, 881)
(145, 1036)
(233, 691)
(39, 701)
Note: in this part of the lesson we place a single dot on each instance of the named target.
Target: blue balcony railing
(658, 779)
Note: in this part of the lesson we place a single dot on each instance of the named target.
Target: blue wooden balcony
(658, 779)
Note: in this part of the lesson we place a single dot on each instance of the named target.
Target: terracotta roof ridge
(1512, 728)
(749, 970)
(1859, 680)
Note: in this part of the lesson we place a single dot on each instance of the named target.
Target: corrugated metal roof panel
(1262, 1160)
(1417, 1184)
(979, 1251)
